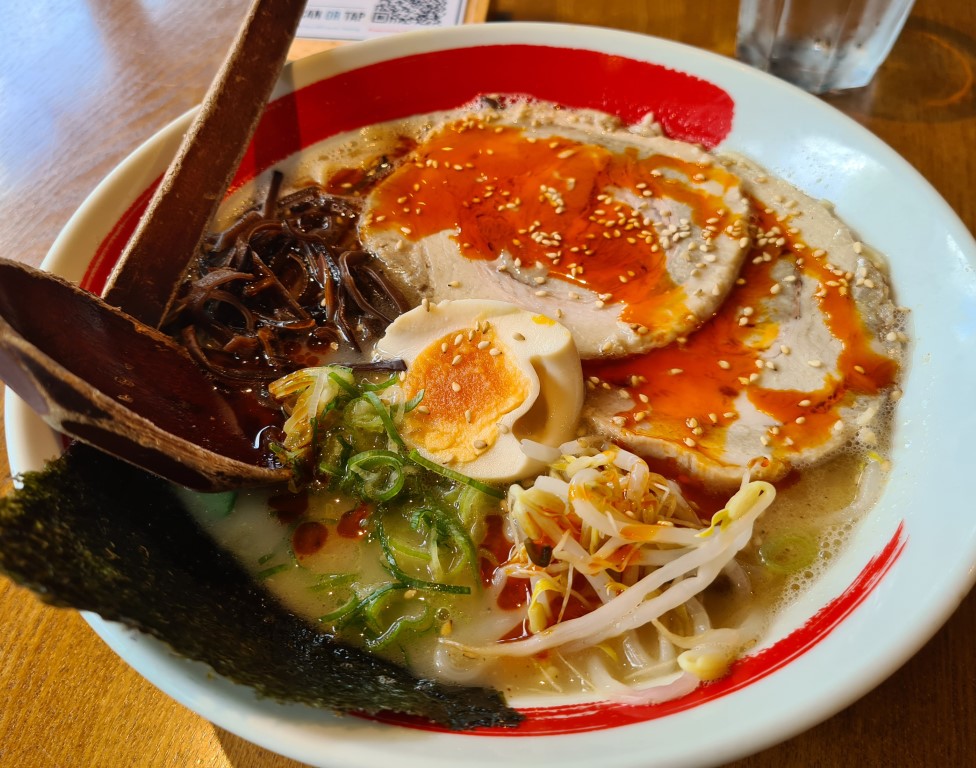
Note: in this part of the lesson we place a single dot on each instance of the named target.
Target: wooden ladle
(98, 370)
(98, 375)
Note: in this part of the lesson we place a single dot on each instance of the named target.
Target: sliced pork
(629, 239)
(802, 357)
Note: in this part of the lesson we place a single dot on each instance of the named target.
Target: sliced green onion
(405, 549)
(364, 604)
(457, 477)
(384, 414)
(400, 623)
(474, 507)
(381, 473)
(349, 387)
(414, 401)
(333, 455)
(401, 576)
(329, 580)
(342, 611)
(453, 530)
(368, 386)
(274, 569)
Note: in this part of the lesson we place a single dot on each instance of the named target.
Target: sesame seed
(858, 247)
(690, 442)
(467, 415)
(815, 363)
(804, 403)
(724, 365)
(458, 339)
(619, 420)
(454, 284)
(425, 303)
(484, 344)
(456, 360)
(859, 368)
(801, 419)
(479, 445)
(676, 371)
(518, 336)
(455, 386)
(423, 409)
(494, 352)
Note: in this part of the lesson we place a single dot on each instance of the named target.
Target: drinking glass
(820, 45)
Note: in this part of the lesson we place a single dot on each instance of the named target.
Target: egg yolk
(470, 381)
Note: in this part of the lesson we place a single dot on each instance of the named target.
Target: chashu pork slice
(803, 358)
(629, 239)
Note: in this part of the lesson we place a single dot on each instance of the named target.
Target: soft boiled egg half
(492, 374)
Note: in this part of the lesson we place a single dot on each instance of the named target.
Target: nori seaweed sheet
(92, 533)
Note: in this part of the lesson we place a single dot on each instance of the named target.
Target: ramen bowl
(908, 561)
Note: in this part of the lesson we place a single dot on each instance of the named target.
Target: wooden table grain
(83, 82)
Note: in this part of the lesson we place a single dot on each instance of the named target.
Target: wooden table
(82, 83)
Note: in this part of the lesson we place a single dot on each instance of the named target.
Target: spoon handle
(173, 226)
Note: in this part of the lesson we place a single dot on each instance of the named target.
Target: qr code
(422, 12)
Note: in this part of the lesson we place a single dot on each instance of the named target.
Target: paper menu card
(364, 19)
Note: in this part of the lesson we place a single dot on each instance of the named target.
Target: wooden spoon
(176, 220)
(104, 376)
(98, 375)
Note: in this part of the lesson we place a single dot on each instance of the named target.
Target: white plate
(911, 560)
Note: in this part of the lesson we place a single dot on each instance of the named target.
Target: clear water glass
(820, 45)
